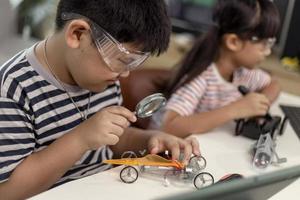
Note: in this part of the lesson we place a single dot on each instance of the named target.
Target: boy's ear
(232, 42)
(76, 30)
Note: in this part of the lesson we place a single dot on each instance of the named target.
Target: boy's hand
(253, 104)
(105, 127)
(162, 141)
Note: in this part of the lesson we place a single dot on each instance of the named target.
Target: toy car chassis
(192, 171)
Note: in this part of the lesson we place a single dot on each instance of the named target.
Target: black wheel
(197, 163)
(128, 154)
(129, 174)
(203, 179)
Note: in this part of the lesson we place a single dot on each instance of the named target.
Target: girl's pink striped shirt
(210, 91)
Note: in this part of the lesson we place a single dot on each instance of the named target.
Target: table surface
(224, 152)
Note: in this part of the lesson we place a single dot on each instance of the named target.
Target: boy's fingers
(113, 139)
(119, 110)
(120, 121)
(117, 130)
(195, 147)
(154, 146)
(175, 150)
(187, 149)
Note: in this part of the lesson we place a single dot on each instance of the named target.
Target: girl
(205, 93)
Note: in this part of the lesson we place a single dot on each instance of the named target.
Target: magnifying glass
(149, 105)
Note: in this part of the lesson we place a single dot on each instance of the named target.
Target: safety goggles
(268, 43)
(115, 55)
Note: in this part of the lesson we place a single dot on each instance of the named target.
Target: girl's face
(254, 51)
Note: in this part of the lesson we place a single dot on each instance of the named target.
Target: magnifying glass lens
(150, 105)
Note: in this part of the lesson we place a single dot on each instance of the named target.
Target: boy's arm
(272, 91)
(41, 170)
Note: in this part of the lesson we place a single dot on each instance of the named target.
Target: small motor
(264, 152)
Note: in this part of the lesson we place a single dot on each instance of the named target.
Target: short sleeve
(186, 99)
(17, 139)
(258, 79)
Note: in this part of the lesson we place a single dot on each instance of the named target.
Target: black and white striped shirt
(35, 111)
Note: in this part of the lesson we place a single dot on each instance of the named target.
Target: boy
(60, 99)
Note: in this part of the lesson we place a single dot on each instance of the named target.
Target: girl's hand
(253, 104)
(162, 141)
(105, 127)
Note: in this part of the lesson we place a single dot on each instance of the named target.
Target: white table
(224, 152)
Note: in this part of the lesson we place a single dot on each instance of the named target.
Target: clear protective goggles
(268, 43)
(115, 55)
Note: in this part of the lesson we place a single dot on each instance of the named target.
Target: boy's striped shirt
(35, 111)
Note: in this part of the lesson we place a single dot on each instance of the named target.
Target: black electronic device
(254, 127)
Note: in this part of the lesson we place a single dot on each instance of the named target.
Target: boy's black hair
(246, 18)
(143, 22)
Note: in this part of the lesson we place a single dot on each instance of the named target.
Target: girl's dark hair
(246, 18)
(137, 21)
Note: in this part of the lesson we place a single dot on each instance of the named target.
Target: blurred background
(24, 22)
